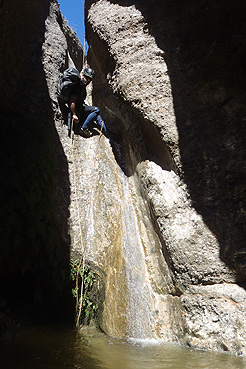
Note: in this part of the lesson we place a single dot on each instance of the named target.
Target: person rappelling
(71, 95)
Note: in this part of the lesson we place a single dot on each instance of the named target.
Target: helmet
(88, 72)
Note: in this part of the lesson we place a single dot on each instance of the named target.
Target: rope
(78, 212)
(79, 300)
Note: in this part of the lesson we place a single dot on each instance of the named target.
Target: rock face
(36, 44)
(169, 78)
(159, 214)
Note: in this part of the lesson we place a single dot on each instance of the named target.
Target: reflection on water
(57, 348)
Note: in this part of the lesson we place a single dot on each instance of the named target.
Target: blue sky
(73, 11)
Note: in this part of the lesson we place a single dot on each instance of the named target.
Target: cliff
(159, 214)
(170, 79)
(35, 189)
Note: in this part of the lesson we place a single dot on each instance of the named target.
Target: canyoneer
(71, 95)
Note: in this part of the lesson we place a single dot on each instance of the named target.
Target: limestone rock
(159, 214)
(169, 78)
(36, 45)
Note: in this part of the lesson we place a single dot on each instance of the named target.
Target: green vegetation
(83, 278)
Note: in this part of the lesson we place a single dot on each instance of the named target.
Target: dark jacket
(79, 90)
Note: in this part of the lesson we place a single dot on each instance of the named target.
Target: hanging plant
(83, 279)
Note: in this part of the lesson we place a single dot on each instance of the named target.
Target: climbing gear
(69, 123)
(67, 80)
(79, 290)
(89, 72)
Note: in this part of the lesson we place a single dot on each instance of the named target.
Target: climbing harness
(79, 295)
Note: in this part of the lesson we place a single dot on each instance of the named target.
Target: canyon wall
(159, 214)
(170, 80)
(35, 188)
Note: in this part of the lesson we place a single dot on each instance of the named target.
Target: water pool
(57, 348)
